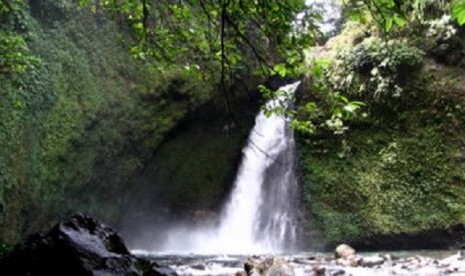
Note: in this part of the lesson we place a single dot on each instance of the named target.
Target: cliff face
(77, 128)
(396, 173)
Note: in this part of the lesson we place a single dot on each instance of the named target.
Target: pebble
(371, 261)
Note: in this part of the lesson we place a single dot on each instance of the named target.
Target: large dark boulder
(79, 245)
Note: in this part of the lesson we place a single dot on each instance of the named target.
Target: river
(408, 263)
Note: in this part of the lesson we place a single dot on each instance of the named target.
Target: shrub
(379, 69)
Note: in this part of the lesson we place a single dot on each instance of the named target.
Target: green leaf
(280, 69)
(83, 3)
(458, 11)
(388, 24)
(399, 21)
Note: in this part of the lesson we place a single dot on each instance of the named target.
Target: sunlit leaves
(258, 36)
(344, 108)
(387, 13)
(280, 69)
(400, 21)
(458, 11)
(14, 54)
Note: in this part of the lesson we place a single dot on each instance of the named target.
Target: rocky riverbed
(346, 263)
(80, 245)
(355, 264)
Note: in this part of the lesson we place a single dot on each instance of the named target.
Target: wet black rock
(79, 245)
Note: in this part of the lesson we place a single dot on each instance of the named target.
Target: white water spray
(260, 216)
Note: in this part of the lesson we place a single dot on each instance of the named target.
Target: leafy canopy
(209, 36)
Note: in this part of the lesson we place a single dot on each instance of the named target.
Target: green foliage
(326, 108)
(384, 182)
(377, 69)
(427, 9)
(76, 128)
(388, 14)
(14, 55)
(238, 37)
(194, 178)
(458, 11)
(8, 6)
(397, 170)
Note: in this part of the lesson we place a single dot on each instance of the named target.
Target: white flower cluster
(384, 83)
(441, 28)
(336, 124)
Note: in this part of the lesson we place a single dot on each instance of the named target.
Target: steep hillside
(396, 170)
(85, 118)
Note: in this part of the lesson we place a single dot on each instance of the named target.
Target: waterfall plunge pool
(408, 263)
(262, 215)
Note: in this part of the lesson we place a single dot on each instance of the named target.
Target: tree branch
(224, 6)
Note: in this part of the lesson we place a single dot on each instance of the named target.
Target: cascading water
(261, 212)
(260, 216)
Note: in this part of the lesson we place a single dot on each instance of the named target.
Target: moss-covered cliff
(77, 126)
(190, 174)
(398, 167)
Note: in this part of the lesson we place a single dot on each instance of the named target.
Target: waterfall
(260, 213)
(260, 216)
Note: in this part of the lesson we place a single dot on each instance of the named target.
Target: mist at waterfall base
(261, 215)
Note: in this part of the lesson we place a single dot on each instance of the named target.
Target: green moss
(193, 169)
(76, 128)
(399, 168)
(197, 181)
(386, 177)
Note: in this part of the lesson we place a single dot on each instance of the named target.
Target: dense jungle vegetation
(95, 93)
(381, 143)
(90, 90)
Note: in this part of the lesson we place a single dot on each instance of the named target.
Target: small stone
(270, 267)
(250, 264)
(198, 266)
(280, 268)
(351, 261)
(344, 251)
(371, 261)
(337, 272)
(305, 261)
(319, 270)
